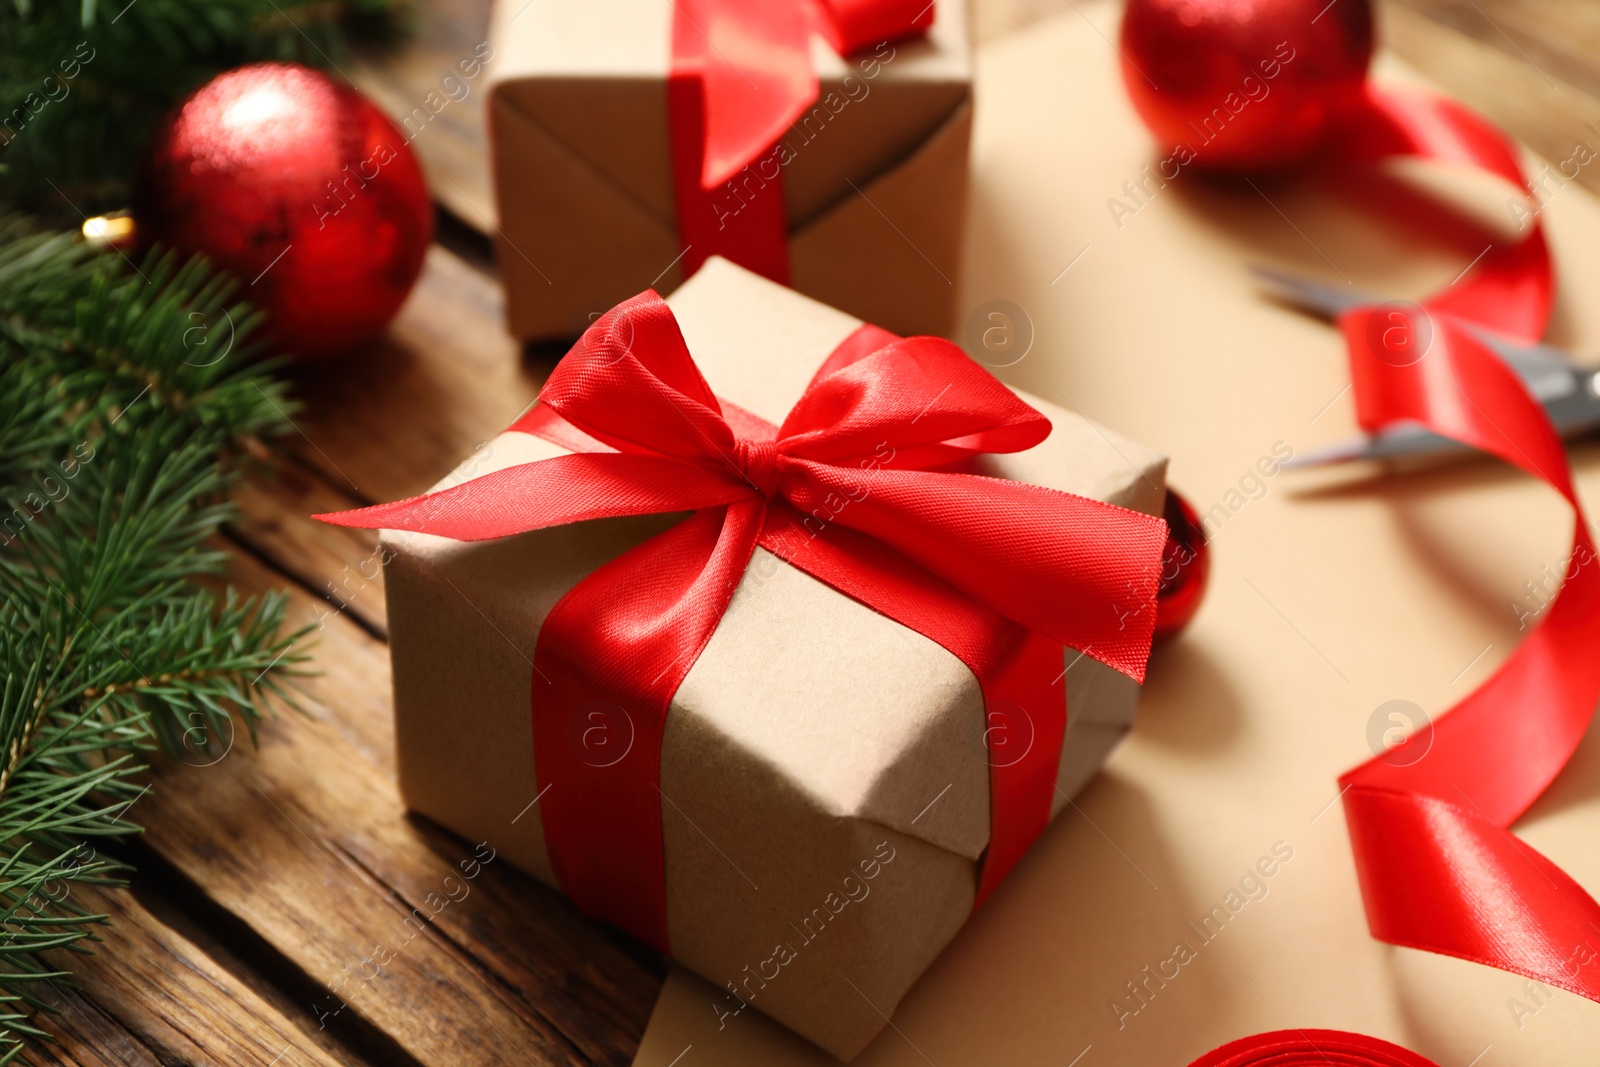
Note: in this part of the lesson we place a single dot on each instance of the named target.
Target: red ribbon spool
(1311, 1048)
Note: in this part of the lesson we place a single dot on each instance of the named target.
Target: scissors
(1570, 393)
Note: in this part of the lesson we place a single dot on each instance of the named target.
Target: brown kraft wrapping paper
(1333, 592)
(824, 769)
(874, 187)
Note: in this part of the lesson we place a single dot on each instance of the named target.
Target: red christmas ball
(301, 188)
(1245, 84)
(1185, 568)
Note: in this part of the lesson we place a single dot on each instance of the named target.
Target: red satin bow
(741, 75)
(855, 488)
(1311, 1048)
(1438, 868)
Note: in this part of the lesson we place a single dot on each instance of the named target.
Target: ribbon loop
(630, 383)
(922, 398)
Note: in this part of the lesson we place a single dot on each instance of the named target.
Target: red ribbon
(856, 488)
(741, 76)
(1438, 868)
(1311, 1048)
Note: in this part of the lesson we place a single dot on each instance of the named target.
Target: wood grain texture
(305, 842)
(176, 1002)
(87, 1034)
(1558, 39)
(424, 85)
(1523, 89)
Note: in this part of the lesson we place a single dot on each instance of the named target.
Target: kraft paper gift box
(874, 183)
(818, 756)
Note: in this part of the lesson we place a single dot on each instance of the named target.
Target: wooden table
(265, 923)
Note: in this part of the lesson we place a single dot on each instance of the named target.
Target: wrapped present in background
(843, 175)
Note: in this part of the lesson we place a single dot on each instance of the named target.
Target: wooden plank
(85, 1034)
(426, 88)
(1557, 39)
(390, 422)
(305, 841)
(151, 996)
(336, 563)
(1534, 105)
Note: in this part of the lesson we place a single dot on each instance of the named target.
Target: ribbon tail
(1025, 722)
(550, 492)
(1440, 877)
(741, 75)
(1439, 871)
(1076, 570)
(610, 656)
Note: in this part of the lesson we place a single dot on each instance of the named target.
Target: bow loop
(631, 383)
(917, 403)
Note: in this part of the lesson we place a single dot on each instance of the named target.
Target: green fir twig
(126, 398)
(84, 82)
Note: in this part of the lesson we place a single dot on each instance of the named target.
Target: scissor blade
(1328, 301)
(1549, 373)
(1403, 440)
(1571, 415)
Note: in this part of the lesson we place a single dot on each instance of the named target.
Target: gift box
(854, 195)
(824, 770)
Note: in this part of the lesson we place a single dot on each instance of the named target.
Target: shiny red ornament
(1244, 84)
(301, 188)
(1185, 568)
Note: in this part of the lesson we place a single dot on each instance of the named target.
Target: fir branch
(119, 432)
(84, 82)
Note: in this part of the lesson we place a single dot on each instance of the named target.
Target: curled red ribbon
(1311, 1048)
(741, 75)
(857, 488)
(1438, 868)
